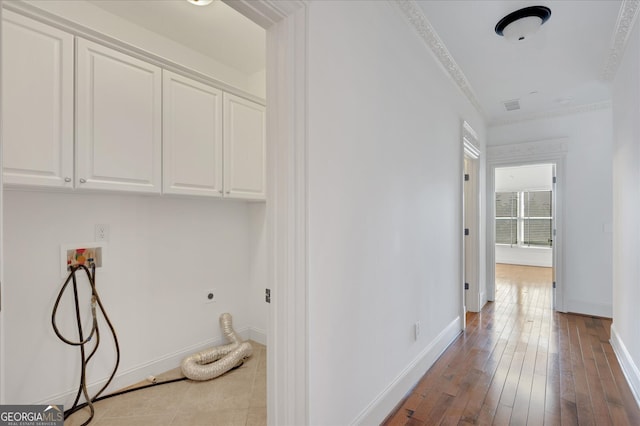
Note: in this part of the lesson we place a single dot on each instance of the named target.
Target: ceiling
(216, 30)
(558, 68)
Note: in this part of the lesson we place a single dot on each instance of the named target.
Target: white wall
(529, 256)
(524, 178)
(257, 84)
(588, 203)
(385, 208)
(625, 333)
(258, 309)
(163, 254)
(88, 15)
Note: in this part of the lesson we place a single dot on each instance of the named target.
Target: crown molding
(626, 19)
(266, 12)
(559, 112)
(417, 19)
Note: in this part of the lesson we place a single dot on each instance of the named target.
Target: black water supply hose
(82, 341)
(93, 335)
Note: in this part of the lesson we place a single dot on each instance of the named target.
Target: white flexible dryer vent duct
(213, 362)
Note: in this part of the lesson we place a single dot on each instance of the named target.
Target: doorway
(205, 218)
(471, 265)
(286, 33)
(524, 221)
(549, 152)
(472, 295)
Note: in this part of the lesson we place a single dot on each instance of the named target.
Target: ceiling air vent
(512, 105)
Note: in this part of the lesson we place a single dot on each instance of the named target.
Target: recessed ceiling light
(523, 23)
(200, 2)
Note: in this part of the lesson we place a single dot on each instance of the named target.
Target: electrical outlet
(416, 330)
(102, 232)
(210, 296)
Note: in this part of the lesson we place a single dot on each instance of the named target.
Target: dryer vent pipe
(213, 362)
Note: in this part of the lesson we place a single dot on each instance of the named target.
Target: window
(524, 218)
(507, 218)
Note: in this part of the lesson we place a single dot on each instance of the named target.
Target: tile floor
(235, 398)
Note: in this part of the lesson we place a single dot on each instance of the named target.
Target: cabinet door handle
(67, 179)
(83, 180)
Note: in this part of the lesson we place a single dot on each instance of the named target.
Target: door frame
(471, 298)
(552, 151)
(285, 22)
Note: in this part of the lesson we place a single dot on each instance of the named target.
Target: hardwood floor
(521, 363)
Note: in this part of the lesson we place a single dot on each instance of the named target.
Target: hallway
(520, 363)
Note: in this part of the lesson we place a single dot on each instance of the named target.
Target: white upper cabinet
(244, 148)
(119, 113)
(192, 137)
(138, 128)
(37, 103)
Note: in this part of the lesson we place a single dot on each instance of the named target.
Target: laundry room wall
(163, 254)
(258, 313)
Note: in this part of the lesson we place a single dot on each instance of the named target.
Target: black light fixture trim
(541, 12)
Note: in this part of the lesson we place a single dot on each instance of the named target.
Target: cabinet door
(119, 112)
(192, 137)
(244, 148)
(37, 103)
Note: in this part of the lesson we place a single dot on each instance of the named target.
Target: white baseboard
(387, 400)
(140, 372)
(629, 368)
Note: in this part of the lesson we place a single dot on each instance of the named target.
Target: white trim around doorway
(287, 218)
(551, 151)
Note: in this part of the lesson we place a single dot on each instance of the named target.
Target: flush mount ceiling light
(200, 2)
(523, 23)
